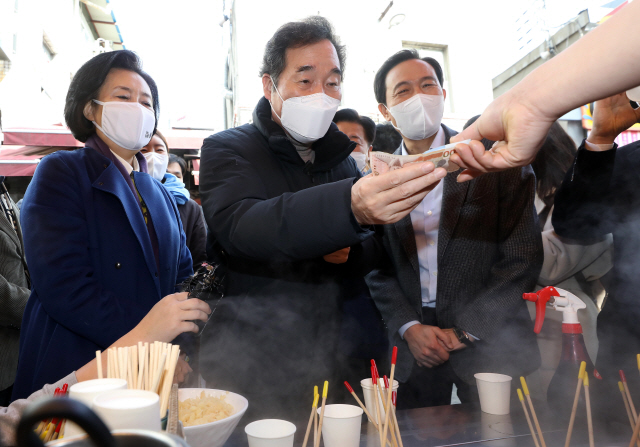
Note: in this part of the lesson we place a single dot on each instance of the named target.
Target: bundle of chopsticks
(52, 429)
(149, 367)
(387, 397)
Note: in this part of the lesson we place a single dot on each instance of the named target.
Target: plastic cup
(270, 433)
(341, 425)
(129, 409)
(85, 392)
(369, 396)
(495, 392)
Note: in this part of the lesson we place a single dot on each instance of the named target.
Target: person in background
(362, 131)
(451, 289)
(103, 238)
(600, 194)
(168, 318)
(168, 169)
(387, 138)
(14, 290)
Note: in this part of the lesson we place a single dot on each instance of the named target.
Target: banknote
(382, 162)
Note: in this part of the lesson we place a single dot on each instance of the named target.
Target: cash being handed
(382, 162)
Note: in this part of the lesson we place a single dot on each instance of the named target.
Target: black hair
(295, 35)
(173, 158)
(86, 85)
(387, 139)
(351, 116)
(552, 162)
(380, 81)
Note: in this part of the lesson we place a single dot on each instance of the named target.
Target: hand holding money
(381, 162)
(388, 197)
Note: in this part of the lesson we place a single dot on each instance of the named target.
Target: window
(439, 53)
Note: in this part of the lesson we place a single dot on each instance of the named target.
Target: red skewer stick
(394, 357)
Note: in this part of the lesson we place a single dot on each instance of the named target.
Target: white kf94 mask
(157, 164)
(128, 124)
(307, 118)
(418, 117)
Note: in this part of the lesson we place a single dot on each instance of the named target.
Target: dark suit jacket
(489, 253)
(14, 292)
(93, 270)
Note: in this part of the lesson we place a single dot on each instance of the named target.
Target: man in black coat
(451, 291)
(601, 195)
(284, 205)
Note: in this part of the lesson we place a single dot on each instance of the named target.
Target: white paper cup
(369, 393)
(495, 392)
(85, 392)
(270, 433)
(129, 409)
(341, 425)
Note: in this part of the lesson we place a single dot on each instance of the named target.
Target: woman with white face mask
(156, 152)
(103, 239)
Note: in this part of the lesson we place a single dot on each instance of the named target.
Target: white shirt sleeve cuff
(597, 147)
(406, 326)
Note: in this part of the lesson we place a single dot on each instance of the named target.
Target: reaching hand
(612, 116)
(518, 128)
(428, 344)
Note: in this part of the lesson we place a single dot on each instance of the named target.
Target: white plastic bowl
(213, 434)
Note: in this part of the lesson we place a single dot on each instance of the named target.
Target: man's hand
(453, 340)
(430, 345)
(182, 369)
(338, 257)
(611, 117)
(387, 198)
(518, 128)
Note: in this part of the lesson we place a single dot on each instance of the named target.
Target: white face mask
(128, 124)
(418, 117)
(360, 158)
(157, 164)
(307, 118)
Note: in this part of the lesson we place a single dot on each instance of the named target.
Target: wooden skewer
(386, 409)
(364, 408)
(141, 362)
(315, 417)
(134, 365)
(99, 360)
(634, 436)
(108, 364)
(525, 388)
(585, 377)
(394, 357)
(395, 419)
(314, 407)
(626, 390)
(626, 405)
(526, 413)
(146, 366)
(374, 382)
(158, 374)
(168, 381)
(324, 401)
(583, 366)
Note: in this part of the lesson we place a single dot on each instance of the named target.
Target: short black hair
(380, 81)
(86, 84)
(351, 116)
(173, 158)
(295, 35)
(387, 139)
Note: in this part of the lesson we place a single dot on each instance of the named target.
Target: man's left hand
(182, 369)
(338, 257)
(453, 339)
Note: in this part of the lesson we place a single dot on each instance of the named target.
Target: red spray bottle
(574, 351)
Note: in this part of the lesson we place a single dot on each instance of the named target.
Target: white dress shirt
(426, 221)
(127, 166)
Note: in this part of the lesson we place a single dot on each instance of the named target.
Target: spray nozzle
(557, 299)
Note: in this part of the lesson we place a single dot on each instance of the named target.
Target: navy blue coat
(93, 270)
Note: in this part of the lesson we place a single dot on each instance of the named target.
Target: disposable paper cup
(341, 425)
(369, 396)
(129, 409)
(495, 392)
(85, 392)
(270, 433)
